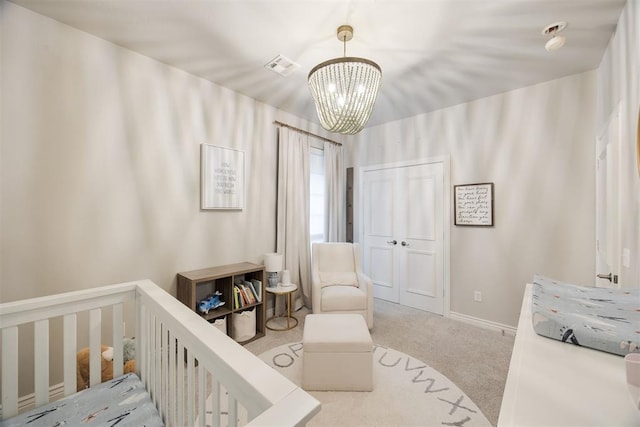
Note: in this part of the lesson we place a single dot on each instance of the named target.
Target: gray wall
(536, 145)
(100, 165)
(100, 168)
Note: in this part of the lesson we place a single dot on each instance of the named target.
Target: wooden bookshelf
(195, 285)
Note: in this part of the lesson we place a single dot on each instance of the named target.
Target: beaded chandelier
(345, 89)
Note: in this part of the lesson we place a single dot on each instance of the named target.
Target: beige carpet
(406, 392)
(473, 358)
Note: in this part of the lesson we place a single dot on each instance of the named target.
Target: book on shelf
(237, 297)
(253, 290)
(247, 293)
(242, 297)
(257, 286)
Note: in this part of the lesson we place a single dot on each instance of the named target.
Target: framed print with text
(473, 204)
(222, 178)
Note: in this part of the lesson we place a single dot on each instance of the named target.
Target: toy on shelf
(210, 302)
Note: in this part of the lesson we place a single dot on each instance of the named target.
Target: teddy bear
(106, 363)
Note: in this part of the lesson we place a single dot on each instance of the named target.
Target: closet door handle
(393, 242)
(610, 277)
(404, 243)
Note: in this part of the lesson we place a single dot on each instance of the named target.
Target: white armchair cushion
(343, 298)
(331, 278)
(333, 266)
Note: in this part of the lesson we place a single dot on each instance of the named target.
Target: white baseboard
(487, 324)
(28, 402)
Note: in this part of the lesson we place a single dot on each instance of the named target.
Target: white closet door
(403, 243)
(379, 201)
(420, 227)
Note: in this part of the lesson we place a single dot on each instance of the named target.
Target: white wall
(618, 83)
(100, 165)
(536, 145)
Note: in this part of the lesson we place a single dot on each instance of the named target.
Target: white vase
(632, 366)
(286, 277)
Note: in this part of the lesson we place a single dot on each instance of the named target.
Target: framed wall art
(222, 178)
(473, 204)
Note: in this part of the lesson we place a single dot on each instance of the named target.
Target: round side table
(285, 291)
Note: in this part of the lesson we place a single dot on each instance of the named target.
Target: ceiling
(433, 53)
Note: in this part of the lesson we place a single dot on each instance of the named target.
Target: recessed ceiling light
(556, 42)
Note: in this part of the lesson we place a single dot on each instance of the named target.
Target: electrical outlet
(626, 257)
(477, 296)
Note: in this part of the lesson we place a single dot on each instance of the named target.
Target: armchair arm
(366, 284)
(316, 288)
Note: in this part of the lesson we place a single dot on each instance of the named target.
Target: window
(316, 195)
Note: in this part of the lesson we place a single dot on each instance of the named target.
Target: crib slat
(118, 363)
(215, 402)
(151, 346)
(190, 389)
(70, 349)
(9, 372)
(157, 381)
(142, 343)
(95, 351)
(172, 379)
(165, 370)
(233, 411)
(41, 361)
(180, 379)
(201, 396)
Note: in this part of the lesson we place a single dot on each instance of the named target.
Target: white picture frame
(222, 178)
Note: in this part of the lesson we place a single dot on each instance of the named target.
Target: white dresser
(551, 383)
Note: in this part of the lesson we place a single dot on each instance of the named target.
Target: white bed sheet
(551, 383)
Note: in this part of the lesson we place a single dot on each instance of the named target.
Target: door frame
(603, 143)
(446, 212)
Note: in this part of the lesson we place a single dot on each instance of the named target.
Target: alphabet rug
(406, 392)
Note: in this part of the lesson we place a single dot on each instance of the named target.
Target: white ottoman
(338, 353)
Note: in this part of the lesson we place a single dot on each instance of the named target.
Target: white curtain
(293, 210)
(335, 193)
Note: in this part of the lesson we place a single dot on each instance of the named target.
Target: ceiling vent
(282, 65)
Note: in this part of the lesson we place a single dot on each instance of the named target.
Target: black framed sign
(473, 204)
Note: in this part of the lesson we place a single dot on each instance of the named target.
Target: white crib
(170, 338)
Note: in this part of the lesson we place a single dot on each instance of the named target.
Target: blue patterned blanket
(122, 401)
(600, 318)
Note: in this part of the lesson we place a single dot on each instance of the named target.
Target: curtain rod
(275, 122)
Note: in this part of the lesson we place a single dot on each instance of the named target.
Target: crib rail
(39, 311)
(191, 370)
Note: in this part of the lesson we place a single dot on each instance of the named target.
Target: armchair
(338, 285)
